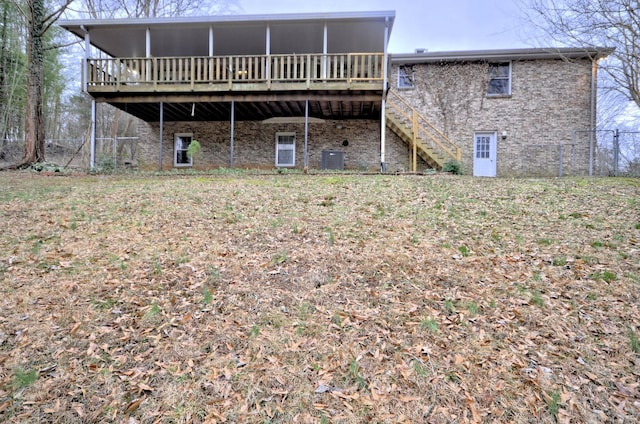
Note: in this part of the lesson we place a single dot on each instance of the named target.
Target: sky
(436, 25)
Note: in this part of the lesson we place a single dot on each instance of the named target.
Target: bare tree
(154, 8)
(596, 23)
(39, 21)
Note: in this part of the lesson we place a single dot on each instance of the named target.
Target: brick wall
(550, 99)
(255, 144)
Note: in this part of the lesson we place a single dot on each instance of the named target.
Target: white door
(484, 154)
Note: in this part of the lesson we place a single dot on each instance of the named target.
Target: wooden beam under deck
(253, 97)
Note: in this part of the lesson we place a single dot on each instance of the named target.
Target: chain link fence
(596, 153)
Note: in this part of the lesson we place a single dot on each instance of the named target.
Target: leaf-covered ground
(324, 298)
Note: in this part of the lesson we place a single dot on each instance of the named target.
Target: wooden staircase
(425, 140)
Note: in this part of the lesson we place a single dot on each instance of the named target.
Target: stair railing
(415, 121)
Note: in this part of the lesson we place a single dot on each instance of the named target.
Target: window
(499, 79)
(285, 149)
(483, 146)
(405, 77)
(180, 147)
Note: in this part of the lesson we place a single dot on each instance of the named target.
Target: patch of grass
(152, 313)
(597, 243)
(464, 251)
(449, 306)
(355, 375)
(255, 330)
(332, 238)
(536, 299)
(553, 403)
(429, 323)
(306, 310)
(473, 308)
(213, 274)
(280, 258)
(634, 341)
(544, 242)
(559, 261)
(606, 276)
(24, 378)
(207, 297)
(105, 304)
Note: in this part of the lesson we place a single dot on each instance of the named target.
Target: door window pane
(483, 146)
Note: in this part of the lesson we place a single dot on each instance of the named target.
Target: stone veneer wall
(550, 99)
(255, 144)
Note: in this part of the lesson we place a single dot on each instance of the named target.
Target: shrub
(452, 166)
(194, 149)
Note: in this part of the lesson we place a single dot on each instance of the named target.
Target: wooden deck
(257, 73)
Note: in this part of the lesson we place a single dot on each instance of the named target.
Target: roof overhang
(347, 32)
(502, 55)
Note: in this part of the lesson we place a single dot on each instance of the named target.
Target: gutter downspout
(592, 129)
(383, 117)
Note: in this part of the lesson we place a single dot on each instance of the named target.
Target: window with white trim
(499, 79)
(406, 76)
(180, 147)
(285, 149)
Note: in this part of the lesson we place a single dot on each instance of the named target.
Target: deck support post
(306, 134)
(85, 65)
(231, 142)
(161, 133)
(92, 135)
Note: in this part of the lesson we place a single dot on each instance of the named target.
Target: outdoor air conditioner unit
(332, 159)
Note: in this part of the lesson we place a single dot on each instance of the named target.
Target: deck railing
(155, 72)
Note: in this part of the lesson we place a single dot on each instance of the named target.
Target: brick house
(322, 91)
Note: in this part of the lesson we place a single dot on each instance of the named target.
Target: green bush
(194, 149)
(452, 166)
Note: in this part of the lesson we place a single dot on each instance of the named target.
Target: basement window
(406, 77)
(499, 79)
(285, 149)
(180, 147)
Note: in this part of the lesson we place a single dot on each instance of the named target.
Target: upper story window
(499, 79)
(406, 77)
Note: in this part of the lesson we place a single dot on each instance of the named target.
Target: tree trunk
(34, 123)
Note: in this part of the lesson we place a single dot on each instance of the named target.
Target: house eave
(502, 55)
(73, 24)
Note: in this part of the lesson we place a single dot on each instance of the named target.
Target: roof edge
(213, 19)
(504, 54)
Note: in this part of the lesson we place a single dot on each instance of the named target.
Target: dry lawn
(325, 298)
